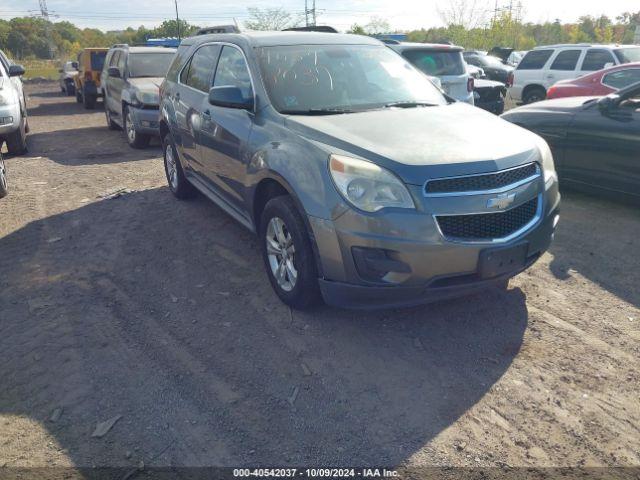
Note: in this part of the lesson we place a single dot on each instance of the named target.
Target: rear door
(596, 59)
(194, 82)
(530, 71)
(564, 66)
(225, 131)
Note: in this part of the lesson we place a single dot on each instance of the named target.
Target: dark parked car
(130, 81)
(489, 95)
(595, 140)
(493, 67)
(366, 185)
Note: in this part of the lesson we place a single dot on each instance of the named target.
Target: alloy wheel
(172, 167)
(281, 254)
(131, 130)
(3, 175)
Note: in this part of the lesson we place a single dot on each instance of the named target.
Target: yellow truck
(90, 63)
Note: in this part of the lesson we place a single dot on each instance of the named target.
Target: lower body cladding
(399, 259)
(145, 120)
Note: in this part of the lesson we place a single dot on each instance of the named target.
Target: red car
(600, 83)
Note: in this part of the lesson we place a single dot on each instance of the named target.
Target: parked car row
(14, 124)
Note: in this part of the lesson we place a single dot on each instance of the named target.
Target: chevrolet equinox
(367, 186)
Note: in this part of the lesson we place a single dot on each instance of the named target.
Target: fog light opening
(378, 265)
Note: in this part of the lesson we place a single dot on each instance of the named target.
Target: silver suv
(367, 187)
(14, 124)
(130, 80)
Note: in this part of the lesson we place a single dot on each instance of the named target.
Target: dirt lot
(160, 311)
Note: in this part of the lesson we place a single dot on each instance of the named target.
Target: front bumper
(9, 118)
(438, 268)
(146, 120)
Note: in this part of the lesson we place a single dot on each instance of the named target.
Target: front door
(225, 131)
(563, 66)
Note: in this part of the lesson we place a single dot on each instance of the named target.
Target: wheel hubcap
(131, 131)
(3, 174)
(281, 254)
(172, 168)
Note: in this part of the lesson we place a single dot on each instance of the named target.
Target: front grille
(476, 183)
(487, 226)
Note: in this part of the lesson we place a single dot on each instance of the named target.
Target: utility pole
(310, 13)
(177, 19)
(44, 11)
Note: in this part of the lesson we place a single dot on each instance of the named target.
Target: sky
(401, 14)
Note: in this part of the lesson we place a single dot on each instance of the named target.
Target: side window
(201, 68)
(622, 78)
(535, 60)
(113, 61)
(121, 62)
(233, 71)
(566, 60)
(596, 59)
(185, 72)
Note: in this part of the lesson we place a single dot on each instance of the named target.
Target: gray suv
(367, 187)
(130, 80)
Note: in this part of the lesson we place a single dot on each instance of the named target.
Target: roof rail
(312, 28)
(120, 45)
(218, 29)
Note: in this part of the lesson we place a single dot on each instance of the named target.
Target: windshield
(149, 64)
(436, 63)
(628, 55)
(305, 78)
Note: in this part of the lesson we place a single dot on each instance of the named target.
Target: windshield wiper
(409, 104)
(319, 111)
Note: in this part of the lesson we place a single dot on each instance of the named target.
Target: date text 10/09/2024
(314, 473)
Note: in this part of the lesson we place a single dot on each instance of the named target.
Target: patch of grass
(40, 68)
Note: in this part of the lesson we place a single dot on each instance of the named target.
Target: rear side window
(113, 61)
(566, 60)
(628, 55)
(233, 71)
(596, 59)
(436, 63)
(535, 60)
(200, 68)
(622, 78)
(97, 60)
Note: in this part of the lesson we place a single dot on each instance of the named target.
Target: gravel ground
(159, 311)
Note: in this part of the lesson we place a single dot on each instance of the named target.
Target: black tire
(17, 141)
(134, 138)
(89, 101)
(533, 95)
(305, 292)
(3, 179)
(110, 123)
(179, 185)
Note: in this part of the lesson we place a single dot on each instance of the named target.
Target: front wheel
(288, 255)
(3, 178)
(17, 141)
(134, 138)
(534, 95)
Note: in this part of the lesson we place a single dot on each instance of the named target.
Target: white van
(542, 67)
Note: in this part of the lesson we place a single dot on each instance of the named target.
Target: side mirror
(229, 97)
(16, 70)
(114, 72)
(609, 103)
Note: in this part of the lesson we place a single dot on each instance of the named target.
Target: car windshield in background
(320, 79)
(436, 63)
(149, 64)
(628, 55)
(97, 60)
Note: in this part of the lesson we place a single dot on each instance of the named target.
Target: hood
(557, 105)
(421, 143)
(146, 84)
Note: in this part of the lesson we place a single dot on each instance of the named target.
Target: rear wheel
(135, 139)
(3, 178)
(287, 254)
(535, 94)
(89, 101)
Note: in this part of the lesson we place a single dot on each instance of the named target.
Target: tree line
(29, 37)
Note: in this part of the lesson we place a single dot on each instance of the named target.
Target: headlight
(548, 167)
(143, 98)
(367, 186)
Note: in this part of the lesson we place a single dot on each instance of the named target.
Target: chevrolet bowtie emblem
(501, 201)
